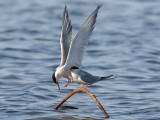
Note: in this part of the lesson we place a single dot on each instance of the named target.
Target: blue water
(125, 43)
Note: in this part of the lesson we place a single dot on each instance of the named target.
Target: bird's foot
(83, 86)
(68, 84)
(65, 85)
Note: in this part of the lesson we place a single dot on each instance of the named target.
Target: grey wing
(88, 78)
(66, 36)
(80, 40)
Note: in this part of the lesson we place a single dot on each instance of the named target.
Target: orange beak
(69, 70)
(58, 85)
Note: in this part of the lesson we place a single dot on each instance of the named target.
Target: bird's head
(72, 68)
(55, 78)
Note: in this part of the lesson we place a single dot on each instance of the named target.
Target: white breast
(77, 78)
(63, 72)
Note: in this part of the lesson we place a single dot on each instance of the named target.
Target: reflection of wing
(80, 40)
(66, 36)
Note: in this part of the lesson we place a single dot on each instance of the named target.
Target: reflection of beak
(69, 70)
(58, 85)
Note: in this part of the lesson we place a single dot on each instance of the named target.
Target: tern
(72, 51)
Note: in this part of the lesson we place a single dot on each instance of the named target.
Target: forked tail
(107, 77)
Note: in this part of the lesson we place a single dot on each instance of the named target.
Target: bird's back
(83, 77)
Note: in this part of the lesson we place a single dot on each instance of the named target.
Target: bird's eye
(54, 78)
(74, 67)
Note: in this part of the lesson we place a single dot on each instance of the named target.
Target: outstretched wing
(66, 36)
(80, 40)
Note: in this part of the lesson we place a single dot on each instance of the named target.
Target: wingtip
(65, 7)
(99, 6)
(65, 15)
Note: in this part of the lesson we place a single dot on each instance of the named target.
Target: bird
(72, 52)
(82, 77)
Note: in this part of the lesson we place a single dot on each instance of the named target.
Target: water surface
(125, 43)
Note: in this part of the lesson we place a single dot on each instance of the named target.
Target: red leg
(70, 82)
(66, 84)
(86, 86)
(83, 86)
